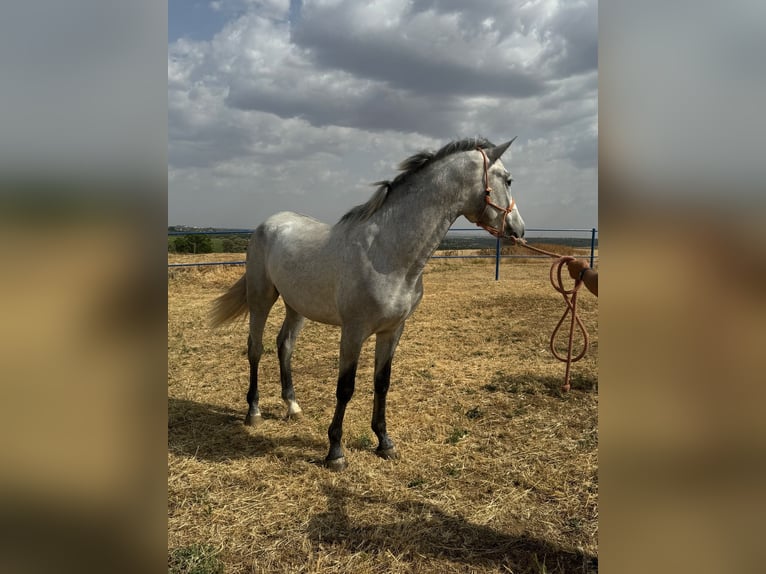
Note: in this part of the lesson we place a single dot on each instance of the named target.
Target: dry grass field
(498, 469)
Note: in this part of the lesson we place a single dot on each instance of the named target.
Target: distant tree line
(207, 244)
(234, 244)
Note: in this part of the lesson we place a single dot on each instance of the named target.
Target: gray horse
(365, 272)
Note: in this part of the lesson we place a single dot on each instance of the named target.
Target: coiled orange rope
(570, 298)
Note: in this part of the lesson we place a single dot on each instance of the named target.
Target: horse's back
(290, 238)
(287, 222)
(295, 254)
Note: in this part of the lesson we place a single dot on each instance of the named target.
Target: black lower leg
(343, 395)
(252, 391)
(285, 374)
(382, 382)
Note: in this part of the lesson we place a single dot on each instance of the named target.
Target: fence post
(592, 244)
(497, 259)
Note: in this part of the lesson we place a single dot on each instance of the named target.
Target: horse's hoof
(336, 464)
(388, 453)
(294, 416)
(253, 420)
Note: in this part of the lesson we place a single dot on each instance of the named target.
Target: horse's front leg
(350, 347)
(385, 345)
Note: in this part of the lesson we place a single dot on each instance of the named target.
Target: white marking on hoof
(293, 410)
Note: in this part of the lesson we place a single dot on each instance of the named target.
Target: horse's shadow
(432, 532)
(217, 433)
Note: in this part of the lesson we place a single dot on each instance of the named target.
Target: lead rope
(570, 298)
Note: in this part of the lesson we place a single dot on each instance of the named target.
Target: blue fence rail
(497, 255)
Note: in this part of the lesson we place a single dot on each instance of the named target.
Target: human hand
(576, 267)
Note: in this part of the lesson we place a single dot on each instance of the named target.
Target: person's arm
(579, 270)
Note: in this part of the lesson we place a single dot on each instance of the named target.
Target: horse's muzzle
(513, 230)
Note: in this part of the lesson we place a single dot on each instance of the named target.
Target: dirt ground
(498, 469)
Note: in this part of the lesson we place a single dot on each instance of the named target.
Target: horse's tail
(231, 304)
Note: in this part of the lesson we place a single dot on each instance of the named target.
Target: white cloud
(266, 8)
(278, 114)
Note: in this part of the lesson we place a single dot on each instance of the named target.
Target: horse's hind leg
(258, 314)
(285, 344)
(385, 345)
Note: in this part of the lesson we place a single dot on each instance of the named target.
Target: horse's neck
(411, 226)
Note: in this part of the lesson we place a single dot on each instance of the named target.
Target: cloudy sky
(299, 105)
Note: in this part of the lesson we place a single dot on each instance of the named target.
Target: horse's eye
(509, 181)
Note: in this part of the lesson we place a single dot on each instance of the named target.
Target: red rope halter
(489, 203)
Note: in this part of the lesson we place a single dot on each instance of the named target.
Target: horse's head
(499, 213)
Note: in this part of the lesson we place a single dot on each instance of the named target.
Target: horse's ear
(494, 153)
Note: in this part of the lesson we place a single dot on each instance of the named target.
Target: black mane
(407, 167)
